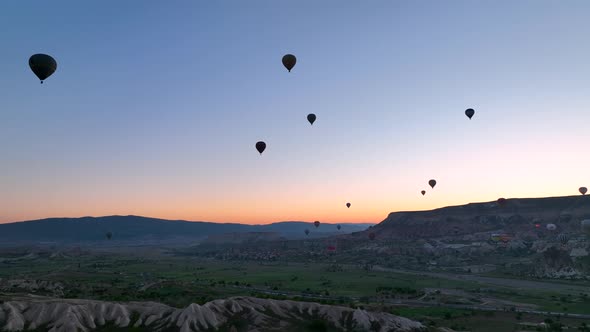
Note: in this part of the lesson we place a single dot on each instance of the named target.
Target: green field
(113, 277)
(179, 281)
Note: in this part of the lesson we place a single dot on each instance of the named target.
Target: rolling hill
(144, 230)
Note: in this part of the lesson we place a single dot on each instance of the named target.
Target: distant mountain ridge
(149, 230)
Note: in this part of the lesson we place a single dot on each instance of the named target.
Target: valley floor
(460, 301)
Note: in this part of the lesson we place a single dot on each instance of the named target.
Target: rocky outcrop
(517, 217)
(556, 263)
(44, 287)
(461, 236)
(249, 314)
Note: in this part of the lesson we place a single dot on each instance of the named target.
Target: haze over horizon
(157, 112)
(278, 221)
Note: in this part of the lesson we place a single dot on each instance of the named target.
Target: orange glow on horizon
(362, 210)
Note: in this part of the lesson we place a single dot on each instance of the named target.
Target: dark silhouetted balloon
(432, 183)
(289, 61)
(372, 236)
(469, 112)
(348, 205)
(501, 201)
(311, 118)
(109, 235)
(423, 192)
(338, 227)
(307, 232)
(316, 224)
(583, 190)
(563, 238)
(260, 146)
(42, 65)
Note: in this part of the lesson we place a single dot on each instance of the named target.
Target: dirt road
(504, 282)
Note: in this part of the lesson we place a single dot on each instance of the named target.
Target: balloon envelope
(289, 61)
(563, 238)
(583, 190)
(432, 183)
(348, 205)
(307, 232)
(109, 235)
(423, 192)
(338, 227)
(551, 227)
(469, 112)
(42, 65)
(501, 201)
(311, 118)
(316, 224)
(260, 146)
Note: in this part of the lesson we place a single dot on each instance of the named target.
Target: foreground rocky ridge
(233, 314)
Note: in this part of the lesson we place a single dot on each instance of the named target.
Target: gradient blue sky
(156, 106)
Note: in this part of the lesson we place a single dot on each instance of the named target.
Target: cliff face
(514, 216)
(512, 236)
(238, 313)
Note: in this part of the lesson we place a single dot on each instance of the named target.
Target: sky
(156, 106)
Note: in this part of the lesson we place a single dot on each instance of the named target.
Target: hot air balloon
(338, 226)
(423, 192)
(537, 225)
(563, 238)
(289, 61)
(42, 65)
(372, 236)
(109, 235)
(432, 183)
(469, 112)
(311, 118)
(307, 232)
(583, 190)
(585, 224)
(501, 201)
(551, 227)
(348, 205)
(260, 146)
(316, 224)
